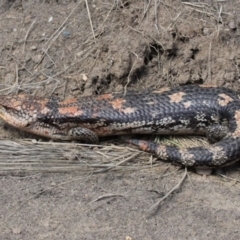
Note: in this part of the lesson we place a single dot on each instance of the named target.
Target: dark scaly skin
(183, 110)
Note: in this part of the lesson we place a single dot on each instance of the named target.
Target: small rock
(17, 230)
(28, 58)
(36, 58)
(203, 171)
(128, 238)
(50, 19)
(33, 48)
(84, 77)
(232, 25)
(79, 54)
(42, 77)
(206, 32)
(66, 33)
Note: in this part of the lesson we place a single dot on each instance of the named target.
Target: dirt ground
(72, 48)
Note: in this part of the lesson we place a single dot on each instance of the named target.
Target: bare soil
(72, 48)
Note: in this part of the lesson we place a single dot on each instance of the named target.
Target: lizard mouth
(13, 118)
(4, 115)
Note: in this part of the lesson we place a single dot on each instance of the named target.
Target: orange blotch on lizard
(72, 111)
(104, 97)
(118, 103)
(68, 101)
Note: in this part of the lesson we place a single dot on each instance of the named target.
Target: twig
(118, 164)
(110, 195)
(90, 20)
(174, 21)
(209, 63)
(145, 10)
(156, 205)
(229, 178)
(220, 20)
(26, 36)
(20, 64)
(130, 72)
(17, 78)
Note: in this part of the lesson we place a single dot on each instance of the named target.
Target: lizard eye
(28, 125)
(3, 107)
(6, 109)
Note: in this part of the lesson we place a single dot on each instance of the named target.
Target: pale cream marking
(150, 103)
(237, 119)
(45, 110)
(187, 104)
(225, 101)
(162, 152)
(176, 97)
(219, 155)
(187, 158)
(201, 117)
(128, 110)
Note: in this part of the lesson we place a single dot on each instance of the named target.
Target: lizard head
(21, 110)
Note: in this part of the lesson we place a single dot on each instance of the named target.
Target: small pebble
(203, 171)
(232, 25)
(36, 58)
(50, 19)
(84, 77)
(66, 33)
(33, 48)
(206, 32)
(17, 230)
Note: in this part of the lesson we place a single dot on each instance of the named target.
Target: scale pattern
(191, 109)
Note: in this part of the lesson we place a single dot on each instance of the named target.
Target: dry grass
(27, 155)
(32, 156)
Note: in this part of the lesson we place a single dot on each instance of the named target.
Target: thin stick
(17, 77)
(90, 20)
(130, 72)
(209, 63)
(20, 64)
(110, 195)
(156, 205)
(145, 10)
(229, 178)
(117, 165)
(26, 36)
